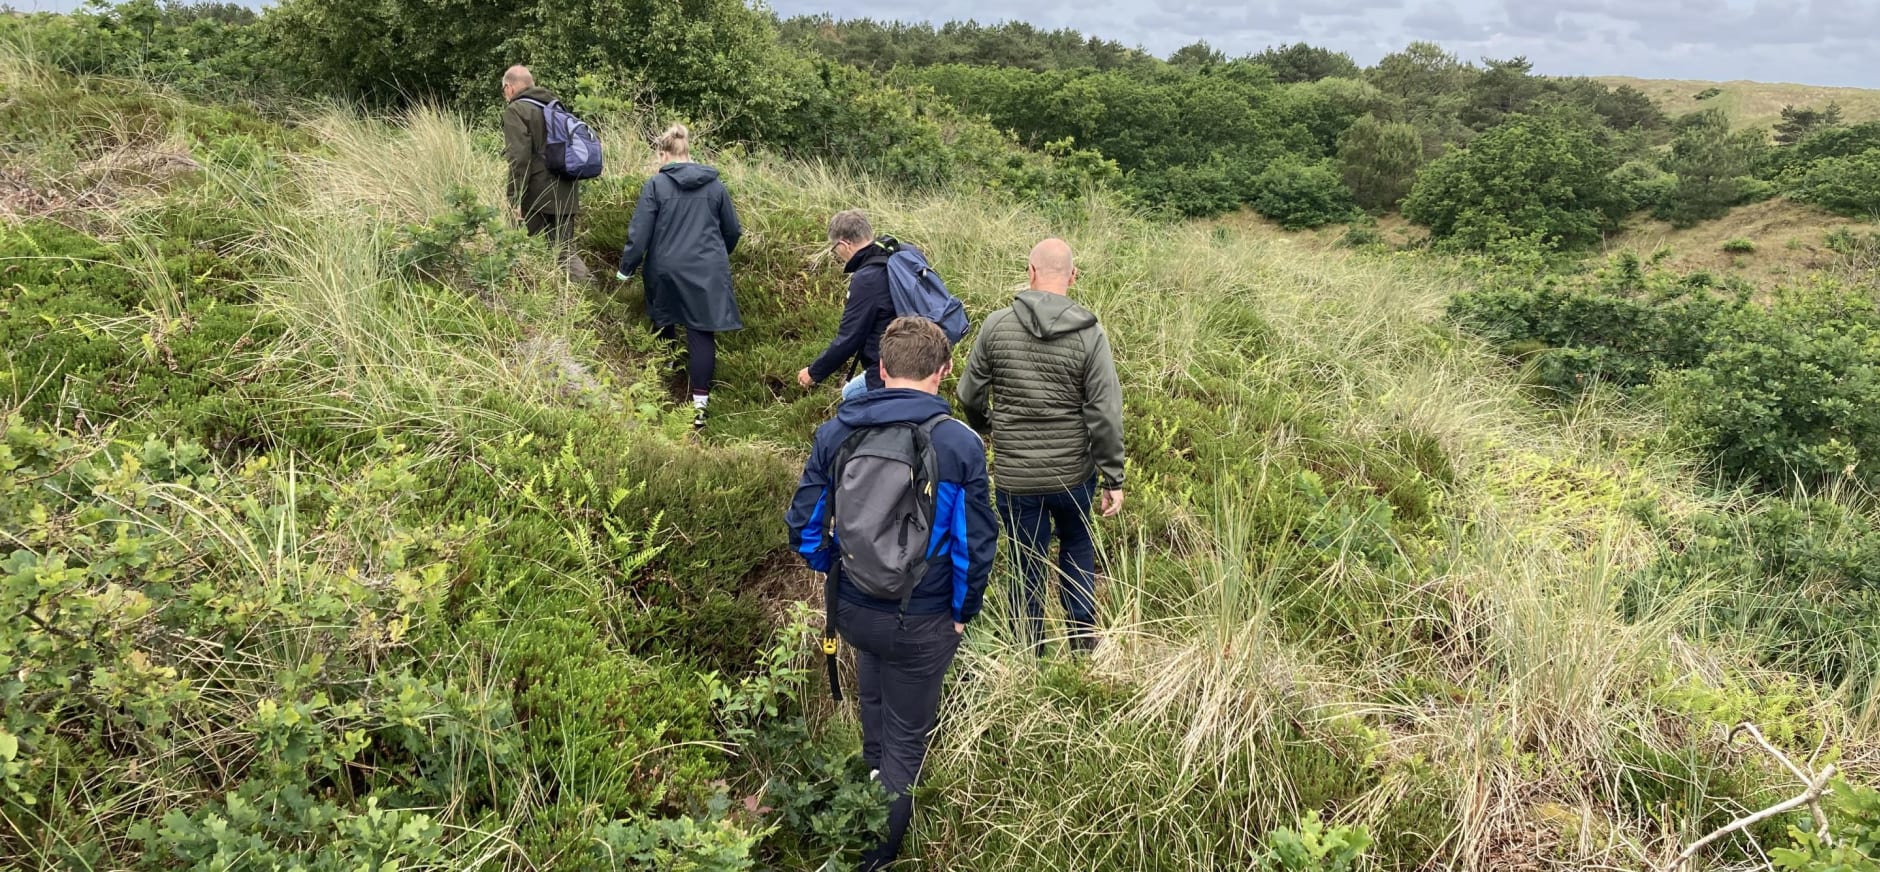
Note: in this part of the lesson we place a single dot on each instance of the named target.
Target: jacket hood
(891, 406)
(1046, 315)
(689, 176)
(538, 94)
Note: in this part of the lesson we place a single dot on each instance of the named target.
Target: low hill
(341, 526)
(1752, 104)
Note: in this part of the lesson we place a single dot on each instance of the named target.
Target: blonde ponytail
(676, 142)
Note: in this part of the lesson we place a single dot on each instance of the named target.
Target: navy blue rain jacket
(966, 532)
(683, 232)
(866, 315)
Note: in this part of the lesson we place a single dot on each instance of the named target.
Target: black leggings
(701, 348)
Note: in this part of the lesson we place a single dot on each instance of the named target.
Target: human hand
(959, 629)
(802, 378)
(1112, 502)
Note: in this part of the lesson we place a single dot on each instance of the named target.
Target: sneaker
(698, 420)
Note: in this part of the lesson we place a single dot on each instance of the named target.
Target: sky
(1816, 42)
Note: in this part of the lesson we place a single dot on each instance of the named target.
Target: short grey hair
(850, 226)
(519, 75)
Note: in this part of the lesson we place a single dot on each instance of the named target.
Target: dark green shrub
(1844, 185)
(1379, 161)
(623, 736)
(1532, 176)
(1713, 166)
(1300, 195)
(1853, 843)
(1643, 185)
(1788, 393)
(1576, 338)
(96, 334)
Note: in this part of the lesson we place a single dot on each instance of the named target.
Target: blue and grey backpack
(572, 150)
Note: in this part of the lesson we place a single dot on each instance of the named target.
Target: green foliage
(287, 829)
(881, 46)
(125, 331)
(1853, 843)
(214, 48)
(1576, 338)
(157, 605)
(684, 844)
(1712, 166)
(1315, 847)
(816, 786)
(1740, 245)
(1532, 176)
(1379, 160)
(472, 245)
(1300, 62)
(1788, 393)
(1799, 123)
(1707, 94)
(1643, 185)
(1300, 195)
(1844, 185)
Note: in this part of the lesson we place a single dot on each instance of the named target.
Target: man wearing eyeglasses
(1042, 379)
(868, 311)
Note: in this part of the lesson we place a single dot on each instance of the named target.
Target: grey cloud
(1820, 41)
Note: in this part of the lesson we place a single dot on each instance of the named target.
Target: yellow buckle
(829, 647)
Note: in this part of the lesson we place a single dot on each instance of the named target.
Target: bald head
(517, 79)
(1051, 266)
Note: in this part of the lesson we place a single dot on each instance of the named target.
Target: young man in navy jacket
(901, 661)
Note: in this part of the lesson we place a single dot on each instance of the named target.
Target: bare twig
(1821, 817)
(1814, 787)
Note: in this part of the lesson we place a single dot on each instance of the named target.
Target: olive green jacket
(1041, 377)
(533, 188)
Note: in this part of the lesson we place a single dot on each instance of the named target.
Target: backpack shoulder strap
(927, 426)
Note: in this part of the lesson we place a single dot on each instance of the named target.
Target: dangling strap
(829, 633)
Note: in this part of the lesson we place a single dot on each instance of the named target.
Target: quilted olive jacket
(1041, 377)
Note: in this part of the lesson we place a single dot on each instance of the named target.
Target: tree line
(1485, 155)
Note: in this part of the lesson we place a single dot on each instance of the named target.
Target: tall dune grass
(1470, 689)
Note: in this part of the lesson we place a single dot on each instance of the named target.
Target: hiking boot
(1083, 644)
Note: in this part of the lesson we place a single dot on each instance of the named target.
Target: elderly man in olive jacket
(1041, 377)
(546, 202)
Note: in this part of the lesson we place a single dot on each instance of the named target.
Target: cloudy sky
(1817, 42)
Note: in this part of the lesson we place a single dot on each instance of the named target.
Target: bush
(1643, 185)
(1314, 847)
(1853, 843)
(154, 606)
(1789, 393)
(1300, 195)
(1844, 185)
(1379, 161)
(1531, 176)
(1577, 338)
(1712, 166)
(1740, 245)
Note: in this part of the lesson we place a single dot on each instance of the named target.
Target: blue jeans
(1029, 520)
(855, 388)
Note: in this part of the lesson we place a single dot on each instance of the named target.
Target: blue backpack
(918, 290)
(572, 150)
